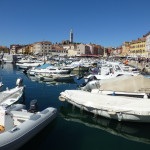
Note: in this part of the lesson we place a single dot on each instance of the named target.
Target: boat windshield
(117, 68)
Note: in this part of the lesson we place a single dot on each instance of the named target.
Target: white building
(72, 50)
(41, 47)
(78, 50)
(14, 48)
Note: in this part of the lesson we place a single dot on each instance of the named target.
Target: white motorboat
(109, 71)
(29, 65)
(115, 107)
(47, 70)
(28, 60)
(11, 96)
(55, 77)
(135, 86)
(18, 127)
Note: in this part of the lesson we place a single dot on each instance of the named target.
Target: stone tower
(71, 36)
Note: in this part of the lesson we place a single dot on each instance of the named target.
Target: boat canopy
(127, 83)
(44, 66)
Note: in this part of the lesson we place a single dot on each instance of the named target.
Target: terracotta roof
(43, 42)
(138, 40)
(2, 46)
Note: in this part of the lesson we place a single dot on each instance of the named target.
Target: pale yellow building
(138, 47)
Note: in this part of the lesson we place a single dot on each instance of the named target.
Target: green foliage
(5, 50)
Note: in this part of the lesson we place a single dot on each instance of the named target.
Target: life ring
(2, 128)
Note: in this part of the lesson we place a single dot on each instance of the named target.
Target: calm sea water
(74, 129)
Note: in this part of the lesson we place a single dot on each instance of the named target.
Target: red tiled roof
(43, 42)
(2, 46)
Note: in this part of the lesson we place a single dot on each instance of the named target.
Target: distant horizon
(106, 23)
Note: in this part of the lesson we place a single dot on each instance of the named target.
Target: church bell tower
(71, 36)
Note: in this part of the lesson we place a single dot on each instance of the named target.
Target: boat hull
(120, 116)
(113, 107)
(18, 136)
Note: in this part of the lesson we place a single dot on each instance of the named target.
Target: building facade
(125, 48)
(41, 47)
(58, 50)
(25, 49)
(138, 47)
(14, 48)
(148, 44)
(72, 50)
(4, 49)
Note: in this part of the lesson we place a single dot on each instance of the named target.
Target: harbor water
(74, 129)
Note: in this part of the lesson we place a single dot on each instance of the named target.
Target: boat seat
(15, 96)
(21, 114)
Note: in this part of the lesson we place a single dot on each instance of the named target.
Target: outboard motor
(91, 78)
(33, 106)
(19, 82)
(94, 84)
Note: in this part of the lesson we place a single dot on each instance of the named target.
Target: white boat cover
(127, 84)
(116, 104)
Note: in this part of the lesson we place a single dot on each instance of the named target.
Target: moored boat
(11, 96)
(29, 65)
(120, 108)
(18, 127)
(137, 86)
(47, 69)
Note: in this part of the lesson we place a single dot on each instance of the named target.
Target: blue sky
(103, 22)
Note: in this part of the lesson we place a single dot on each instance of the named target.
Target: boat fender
(145, 96)
(19, 82)
(113, 94)
(2, 128)
(62, 98)
(119, 116)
